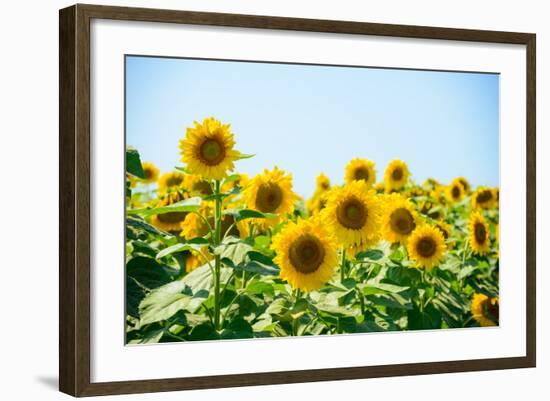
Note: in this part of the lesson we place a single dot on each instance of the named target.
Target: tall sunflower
(478, 233)
(150, 173)
(399, 218)
(354, 213)
(485, 310)
(483, 198)
(270, 192)
(426, 246)
(208, 149)
(306, 254)
(455, 192)
(170, 221)
(361, 170)
(170, 181)
(396, 175)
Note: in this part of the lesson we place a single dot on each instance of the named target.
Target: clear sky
(307, 119)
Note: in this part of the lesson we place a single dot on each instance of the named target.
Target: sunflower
(170, 221)
(270, 192)
(399, 218)
(208, 150)
(465, 184)
(430, 184)
(479, 234)
(170, 181)
(361, 170)
(197, 186)
(396, 175)
(317, 203)
(485, 310)
(455, 191)
(431, 210)
(496, 195)
(241, 181)
(483, 198)
(322, 183)
(426, 246)
(306, 254)
(354, 214)
(197, 224)
(150, 173)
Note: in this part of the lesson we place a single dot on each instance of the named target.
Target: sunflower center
(455, 192)
(269, 197)
(174, 181)
(352, 214)
(361, 173)
(480, 233)
(402, 221)
(325, 185)
(202, 187)
(212, 152)
(172, 217)
(306, 254)
(484, 196)
(491, 309)
(397, 174)
(147, 173)
(426, 247)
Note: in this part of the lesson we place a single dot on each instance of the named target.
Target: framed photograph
(249, 200)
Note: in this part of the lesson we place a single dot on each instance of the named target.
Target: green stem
(343, 266)
(217, 265)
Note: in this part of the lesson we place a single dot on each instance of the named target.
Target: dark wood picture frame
(74, 199)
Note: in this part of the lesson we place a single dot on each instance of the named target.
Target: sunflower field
(215, 254)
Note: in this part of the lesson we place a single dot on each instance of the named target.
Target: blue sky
(307, 119)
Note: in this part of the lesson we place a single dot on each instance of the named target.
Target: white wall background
(28, 200)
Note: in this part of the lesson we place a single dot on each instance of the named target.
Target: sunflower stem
(217, 241)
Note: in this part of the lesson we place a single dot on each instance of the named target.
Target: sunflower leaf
(195, 244)
(244, 156)
(187, 205)
(133, 162)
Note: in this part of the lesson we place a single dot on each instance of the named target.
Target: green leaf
(244, 156)
(381, 288)
(163, 303)
(429, 318)
(140, 224)
(372, 254)
(133, 162)
(187, 205)
(248, 214)
(194, 244)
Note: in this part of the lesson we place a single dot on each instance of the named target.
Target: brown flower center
(480, 233)
(455, 192)
(306, 254)
(397, 174)
(202, 187)
(361, 173)
(491, 309)
(212, 152)
(402, 221)
(484, 196)
(426, 247)
(352, 214)
(148, 173)
(269, 197)
(172, 217)
(174, 180)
